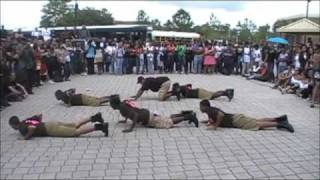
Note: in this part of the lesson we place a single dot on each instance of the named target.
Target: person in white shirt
(110, 51)
(150, 59)
(46, 34)
(256, 55)
(246, 59)
(36, 33)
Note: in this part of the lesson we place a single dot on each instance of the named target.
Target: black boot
(176, 90)
(285, 125)
(282, 118)
(103, 127)
(97, 118)
(230, 93)
(192, 117)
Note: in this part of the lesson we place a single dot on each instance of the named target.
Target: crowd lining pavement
(183, 152)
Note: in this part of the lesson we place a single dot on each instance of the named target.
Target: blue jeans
(66, 70)
(119, 65)
(150, 66)
(124, 65)
(141, 65)
(197, 63)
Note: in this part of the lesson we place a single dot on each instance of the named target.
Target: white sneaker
(51, 82)
(84, 74)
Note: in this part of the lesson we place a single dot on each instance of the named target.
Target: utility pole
(307, 14)
(76, 8)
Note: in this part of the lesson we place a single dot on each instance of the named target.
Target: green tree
(91, 16)
(53, 12)
(214, 22)
(182, 20)
(142, 17)
(156, 24)
(247, 29)
(263, 32)
(169, 25)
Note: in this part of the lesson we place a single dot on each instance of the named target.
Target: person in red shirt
(170, 60)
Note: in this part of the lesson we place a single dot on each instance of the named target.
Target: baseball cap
(140, 79)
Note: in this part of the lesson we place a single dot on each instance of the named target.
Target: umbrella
(279, 40)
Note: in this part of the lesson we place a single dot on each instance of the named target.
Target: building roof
(299, 16)
(106, 27)
(175, 34)
(301, 26)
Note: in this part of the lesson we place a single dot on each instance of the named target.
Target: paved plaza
(183, 152)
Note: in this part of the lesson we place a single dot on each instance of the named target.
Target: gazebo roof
(301, 26)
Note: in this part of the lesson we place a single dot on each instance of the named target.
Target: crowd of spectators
(30, 62)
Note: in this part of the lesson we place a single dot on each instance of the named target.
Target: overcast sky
(27, 14)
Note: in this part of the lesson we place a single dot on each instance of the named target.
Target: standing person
(218, 118)
(227, 58)
(109, 57)
(246, 59)
(119, 54)
(140, 59)
(155, 55)
(304, 56)
(270, 59)
(46, 34)
(150, 60)
(238, 59)
(189, 59)
(160, 59)
(170, 56)
(125, 62)
(316, 76)
(282, 61)
(181, 50)
(90, 54)
(218, 47)
(65, 56)
(26, 65)
(35, 34)
(37, 58)
(52, 64)
(35, 127)
(209, 60)
(132, 56)
(84, 33)
(198, 57)
(98, 59)
(256, 55)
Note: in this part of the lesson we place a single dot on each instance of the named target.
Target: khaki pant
(244, 122)
(164, 90)
(60, 129)
(204, 94)
(160, 122)
(90, 100)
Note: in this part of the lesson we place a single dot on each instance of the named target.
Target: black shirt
(227, 121)
(154, 84)
(271, 55)
(129, 112)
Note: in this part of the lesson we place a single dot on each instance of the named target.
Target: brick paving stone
(184, 152)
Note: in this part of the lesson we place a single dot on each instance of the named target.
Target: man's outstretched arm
(139, 93)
